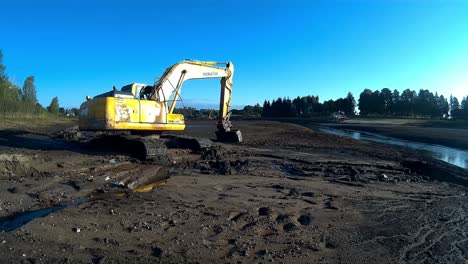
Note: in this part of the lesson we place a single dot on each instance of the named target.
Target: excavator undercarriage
(143, 146)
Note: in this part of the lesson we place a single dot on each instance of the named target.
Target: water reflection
(453, 156)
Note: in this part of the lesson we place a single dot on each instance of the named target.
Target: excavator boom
(189, 69)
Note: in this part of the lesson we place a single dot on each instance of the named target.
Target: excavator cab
(136, 89)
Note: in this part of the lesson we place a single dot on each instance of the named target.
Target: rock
(277, 187)
(156, 252)
(119, 184)
(304, 220)
(13, 190)
(308, 194)
(290, 227)
(293, 192)
(264, 211)
(112, 161)
(76, 230)
(330, 244)
(282, 218)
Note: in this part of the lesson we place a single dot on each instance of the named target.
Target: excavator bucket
(233, 136)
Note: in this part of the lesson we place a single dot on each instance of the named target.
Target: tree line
(308, 106)
(411, 104)
(379, 103)
(15, 100)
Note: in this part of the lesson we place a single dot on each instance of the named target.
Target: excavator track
(150, 147)
(144, 147)
(147, 147)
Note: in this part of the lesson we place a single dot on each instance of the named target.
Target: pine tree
(464, 103)
(454, 104)
(350, 104)
(54, 106)
(29, 90)
(3, 76)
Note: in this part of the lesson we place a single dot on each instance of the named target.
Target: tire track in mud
(431, 229)
(300, 165)
(433, 235)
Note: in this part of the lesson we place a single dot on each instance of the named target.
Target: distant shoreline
(425, 131)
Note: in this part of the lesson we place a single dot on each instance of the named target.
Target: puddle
(200, 126)
(13, 222)
(450, 155)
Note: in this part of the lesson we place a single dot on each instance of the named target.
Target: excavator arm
(168, 89)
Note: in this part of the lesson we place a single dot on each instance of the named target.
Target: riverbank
(446, 133)
(451, 137)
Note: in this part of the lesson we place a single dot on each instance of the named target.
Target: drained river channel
(457, 157)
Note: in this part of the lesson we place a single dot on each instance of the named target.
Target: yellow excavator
(149, 109)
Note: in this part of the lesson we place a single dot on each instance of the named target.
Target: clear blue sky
(280, 48)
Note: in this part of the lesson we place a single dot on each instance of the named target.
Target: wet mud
(287, 194)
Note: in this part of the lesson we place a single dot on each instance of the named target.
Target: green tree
(3, 76)
(464, 103)
(365, 102)
(29, 90)
(8, 91)
(248, 110)
(396, 103)
(454, 104)
(257, 110)
(443, 105)
(266, 108)
(408, 98)
(386, 97)
(54, 106)
(350, 104)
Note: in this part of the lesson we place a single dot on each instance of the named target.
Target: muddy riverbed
(454, 156)
(287, 194)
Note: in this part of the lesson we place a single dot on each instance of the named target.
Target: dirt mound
(70, 134)
(215, 152)
(436, 170)
(222, 167)
(17, 165)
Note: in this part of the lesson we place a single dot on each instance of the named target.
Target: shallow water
(200, 126)
(450, 155)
